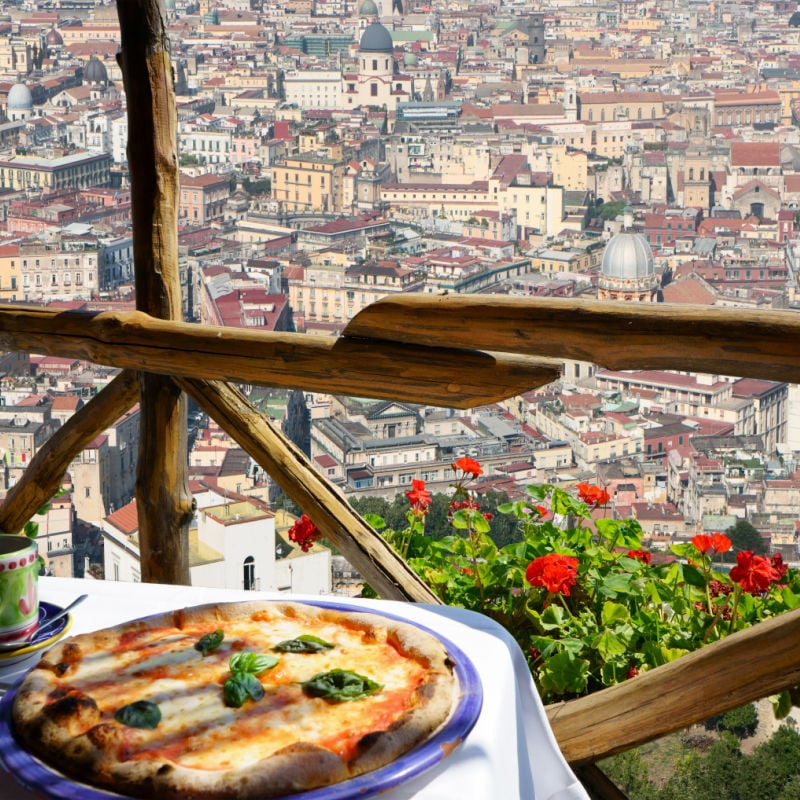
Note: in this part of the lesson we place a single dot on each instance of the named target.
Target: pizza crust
(56, 717)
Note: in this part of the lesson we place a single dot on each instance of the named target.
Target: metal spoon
(4, 648)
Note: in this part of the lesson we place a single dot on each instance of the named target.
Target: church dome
(53, 38)
(376, 39)
(95, 71)
(628, 257)
(19, 97)
(368, 8)
(410, 60)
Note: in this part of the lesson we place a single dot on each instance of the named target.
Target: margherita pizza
(242, 700)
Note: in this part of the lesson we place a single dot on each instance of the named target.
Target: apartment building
(55, 172)
(309, 183)
(203, 198)
(65, 270)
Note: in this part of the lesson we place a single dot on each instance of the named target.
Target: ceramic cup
(19, 588)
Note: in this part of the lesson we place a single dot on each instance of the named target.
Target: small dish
(39, 642)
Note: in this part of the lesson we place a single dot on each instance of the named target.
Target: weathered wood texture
(598, 784)
(729, 341)
(739, 669)
(162, 489)
(325, 505)
(46, 470)
(364, 368)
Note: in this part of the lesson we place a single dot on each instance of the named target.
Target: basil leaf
(239, 687)
(252, 663)
(339, 685)
(305, 643)
(209, 641)
(141, 714)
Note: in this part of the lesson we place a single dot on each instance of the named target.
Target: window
(373, 89)
(374, 64)
(249, 583)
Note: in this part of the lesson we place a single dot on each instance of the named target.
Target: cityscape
(333, 153)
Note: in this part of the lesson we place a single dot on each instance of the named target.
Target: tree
(611, 210)
(742, 721)
(744, 536)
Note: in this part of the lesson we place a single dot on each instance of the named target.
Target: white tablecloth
(510, 754)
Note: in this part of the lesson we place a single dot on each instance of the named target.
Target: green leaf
(552, 617)
(375, 521)
(479, 523)
(461, 519)
(614, 612)
(139, 714)
(340, 685)
(251, 663)
(241, 686)
(565, 674)
(616, 584)
(693, 576)
(781, 704)
(608, 644)
(305, 643)
(209, 641)
(539, 492)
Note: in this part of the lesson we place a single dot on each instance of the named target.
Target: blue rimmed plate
(39, 640)
(37, 777)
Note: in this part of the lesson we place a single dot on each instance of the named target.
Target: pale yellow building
(73, 171)
(9, 273)
(308, 184)
(570, 169)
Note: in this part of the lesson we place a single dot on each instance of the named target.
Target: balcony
(447, 350)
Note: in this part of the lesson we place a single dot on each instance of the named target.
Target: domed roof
(410, 59)
(376, 39)
(628, 256)
(19, 96)
(368, 9)
(95, 71)
(53, 37)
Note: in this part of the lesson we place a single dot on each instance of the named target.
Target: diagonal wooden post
(162, 491)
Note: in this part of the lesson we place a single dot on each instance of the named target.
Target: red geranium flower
(592, 495)
(469, 466)
(642, 555)
(717, 542)
(304, 533)
(779, 566)
(419, 496)
(753, 573)
(554, 572)
(722, 543)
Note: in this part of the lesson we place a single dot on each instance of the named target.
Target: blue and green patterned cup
(19, 588)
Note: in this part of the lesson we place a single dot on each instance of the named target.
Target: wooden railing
(454, 351)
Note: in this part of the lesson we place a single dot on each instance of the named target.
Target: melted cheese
(198, 731)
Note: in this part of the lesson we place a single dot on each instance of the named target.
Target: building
(56, 172)
(309, 183)
(233, 544)
(627, 271)
(203, 198)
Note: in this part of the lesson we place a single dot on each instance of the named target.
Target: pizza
(241, 700)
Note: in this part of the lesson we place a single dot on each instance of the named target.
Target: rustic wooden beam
(728, 341)
(44, 474)
(739, 669)
(368, 552)
(414, 373)
(162, 492)
(598, 784)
